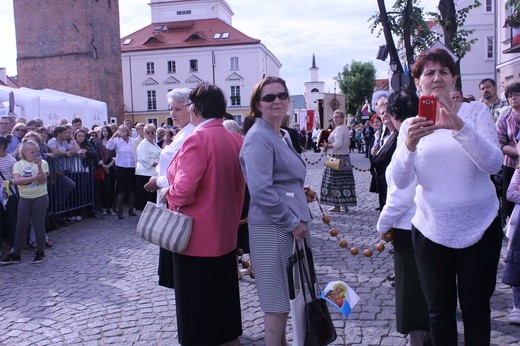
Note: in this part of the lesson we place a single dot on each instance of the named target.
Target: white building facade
(318, 104)
(188, 43)
(479, 61)
(508, 48)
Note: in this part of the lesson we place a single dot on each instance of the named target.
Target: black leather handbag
(320, 330)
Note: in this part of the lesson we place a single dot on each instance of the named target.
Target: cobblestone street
(98, 284)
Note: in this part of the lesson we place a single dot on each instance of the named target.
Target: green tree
(513, 20)
(357, 81)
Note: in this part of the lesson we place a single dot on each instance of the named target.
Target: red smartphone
(428, 107)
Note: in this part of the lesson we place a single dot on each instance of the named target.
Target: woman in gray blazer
(278, 211)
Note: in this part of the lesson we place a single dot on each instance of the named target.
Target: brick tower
(71, 46)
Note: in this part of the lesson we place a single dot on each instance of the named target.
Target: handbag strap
(305, 276)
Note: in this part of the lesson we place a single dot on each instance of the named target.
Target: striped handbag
(168, 229)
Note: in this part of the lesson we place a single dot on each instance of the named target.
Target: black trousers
(469, 272)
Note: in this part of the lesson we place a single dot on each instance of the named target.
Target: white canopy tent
(52, 105)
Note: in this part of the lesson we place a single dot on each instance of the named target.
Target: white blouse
(147, 158)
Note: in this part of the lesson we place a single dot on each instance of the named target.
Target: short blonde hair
(149, 127)
(25, 145)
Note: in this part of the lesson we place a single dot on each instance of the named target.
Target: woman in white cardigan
(147, 159)
(456, 231)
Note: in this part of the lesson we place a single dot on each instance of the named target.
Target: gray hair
(376, 96)
(232, 125)
(179, 94)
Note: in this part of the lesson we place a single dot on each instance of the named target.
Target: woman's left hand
(448, 118)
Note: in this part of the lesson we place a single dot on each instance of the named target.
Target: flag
(341, 296)
(365, 109)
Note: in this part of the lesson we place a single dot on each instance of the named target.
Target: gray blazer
(275, 176)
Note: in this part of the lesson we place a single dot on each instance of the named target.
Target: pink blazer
(207, 183)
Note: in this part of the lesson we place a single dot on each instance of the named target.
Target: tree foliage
(357, 81)
(407, 21)
(514, 4)
(513, 20)
(456, 37)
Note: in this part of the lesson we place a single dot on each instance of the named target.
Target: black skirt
(125, 179)
(411, 310)
(207, 299)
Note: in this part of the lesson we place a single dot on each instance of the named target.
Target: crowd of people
(75, 160)
(434, 180)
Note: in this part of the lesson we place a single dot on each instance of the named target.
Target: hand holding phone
(428, 107)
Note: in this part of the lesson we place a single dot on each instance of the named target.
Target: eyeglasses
(271, 97)
(150, 133)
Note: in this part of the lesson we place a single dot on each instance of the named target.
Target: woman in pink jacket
(206, 182)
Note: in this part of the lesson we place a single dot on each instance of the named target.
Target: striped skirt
(338, 187)
(271, 247)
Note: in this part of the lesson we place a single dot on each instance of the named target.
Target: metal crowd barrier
(70, 184)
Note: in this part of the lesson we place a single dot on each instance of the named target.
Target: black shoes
(13, 259)
(10, 259)
(39, 257)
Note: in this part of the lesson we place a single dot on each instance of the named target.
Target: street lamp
(398, 80)
(393, 65)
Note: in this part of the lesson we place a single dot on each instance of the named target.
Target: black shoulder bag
(320, 330)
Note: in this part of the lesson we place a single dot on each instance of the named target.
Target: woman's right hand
(300, 231)
(419, 127)
(151, 185)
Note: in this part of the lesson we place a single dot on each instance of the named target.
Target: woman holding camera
(456, 230)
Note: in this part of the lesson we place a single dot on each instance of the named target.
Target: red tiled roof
(382, 84)
(10, 82)
(186, 34)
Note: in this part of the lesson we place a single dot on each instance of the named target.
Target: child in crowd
(30, 175)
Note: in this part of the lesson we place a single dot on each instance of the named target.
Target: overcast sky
(336, 31)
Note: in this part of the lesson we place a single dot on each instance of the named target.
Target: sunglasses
(272, 97)
(150, 133)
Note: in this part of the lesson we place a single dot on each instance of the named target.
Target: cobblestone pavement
(99, 285)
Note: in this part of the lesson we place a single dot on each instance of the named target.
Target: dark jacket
(295, 138)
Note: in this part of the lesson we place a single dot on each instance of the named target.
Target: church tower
(314, 88)
(72, 46)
